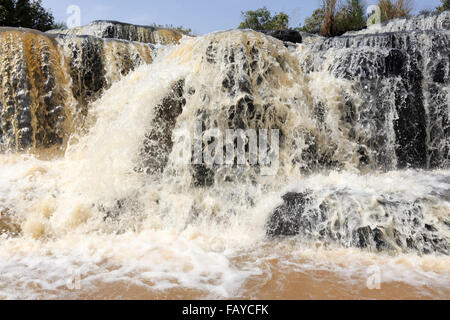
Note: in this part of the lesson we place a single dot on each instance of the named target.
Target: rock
(284, 35)
(158, 142)
(433, 21)
(124, 31)
(289, 219)
(366, 237)
(44, 76)
(403, 228)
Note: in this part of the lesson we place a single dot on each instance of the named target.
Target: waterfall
(49, 80)
(125, 31)
(357, 134)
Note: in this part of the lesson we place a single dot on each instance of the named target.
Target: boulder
(285, 35)
(405, 227)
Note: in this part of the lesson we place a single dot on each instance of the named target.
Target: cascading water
(47, 82)
(356, 131)
(125, 31)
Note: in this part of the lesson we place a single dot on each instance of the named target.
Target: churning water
(360, 200)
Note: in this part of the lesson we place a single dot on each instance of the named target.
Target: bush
(313, 23)
(262, 19)
(392, 10)
(445, 6)
(334, 19)
(25, 14)
(328, 28)
(180, 29)
(351, 17)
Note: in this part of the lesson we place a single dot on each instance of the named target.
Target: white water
(168, 234)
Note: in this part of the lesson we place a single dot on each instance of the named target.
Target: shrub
(445, 6)
(351, 17)
(392, 10)
(26, 14)
(313, 23)
(261, 19)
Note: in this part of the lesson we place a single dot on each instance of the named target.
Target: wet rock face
(47, 82)
(291, 218)
(285, 35)
(401, 72)
(403, 81)
(125, 31)
(95, 64)
(158, 142)
(31, 97)
(400, 226)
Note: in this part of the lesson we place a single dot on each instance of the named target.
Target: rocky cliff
(47, 81)
(125, 31)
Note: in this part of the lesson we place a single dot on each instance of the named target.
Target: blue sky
(202, 16)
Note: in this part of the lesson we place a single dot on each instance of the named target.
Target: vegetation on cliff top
(180, 29)
(333, 17)
(26, 14)
(445, 6)
(262, 19)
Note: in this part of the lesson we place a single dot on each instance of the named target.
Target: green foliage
(313, 23)
(59, 26)
(393, 10)
(181, 29)
(445, 6)
(2, 13)
(426, 12)
(334, 19)
(328, 27)
(351, 17)
(26, 14)
(185, 31)
(279, 22)
(6, 12)
(262, 19)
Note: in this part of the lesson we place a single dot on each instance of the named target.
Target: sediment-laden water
(358, 205)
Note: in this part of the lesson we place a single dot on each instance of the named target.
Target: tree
(26, 14)
(351, 17)
(279, 22)
(313, 23)
(392, 10)
(262, 19)
(334, 18)
(6, 12)
(328, 28)
(445, 6)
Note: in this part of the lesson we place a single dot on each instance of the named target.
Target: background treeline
(333, 17)
(27, 14)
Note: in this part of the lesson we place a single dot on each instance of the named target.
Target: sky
(202, 16)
